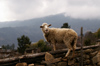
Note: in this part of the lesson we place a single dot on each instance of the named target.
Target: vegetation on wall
(42, 45)
(90, 38)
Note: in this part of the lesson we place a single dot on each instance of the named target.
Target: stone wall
(91, 57)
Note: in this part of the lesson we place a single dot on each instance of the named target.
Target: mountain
(10, 31)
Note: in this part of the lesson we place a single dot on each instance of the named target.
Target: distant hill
(10, 31)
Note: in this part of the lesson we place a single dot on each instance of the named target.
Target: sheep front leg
(68, 52)
(54, 47)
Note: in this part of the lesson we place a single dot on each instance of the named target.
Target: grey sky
(11, 10)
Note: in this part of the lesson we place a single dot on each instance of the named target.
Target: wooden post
(81, 46)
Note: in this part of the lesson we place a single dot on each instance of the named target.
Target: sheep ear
(49, 25)
(41, 26)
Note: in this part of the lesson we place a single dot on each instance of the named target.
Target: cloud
(27, 9)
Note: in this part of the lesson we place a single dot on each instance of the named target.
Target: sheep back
(59, 34)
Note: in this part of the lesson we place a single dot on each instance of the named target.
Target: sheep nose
(46, 30)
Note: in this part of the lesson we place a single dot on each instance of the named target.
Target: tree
(22, 43)
(89, 38)
(7, 47)
(4, 47)
(87, 42)
(97, 34)
(65, 25)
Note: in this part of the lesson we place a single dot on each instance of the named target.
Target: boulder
(88, 50)
(39, 65)
(71, 62)
(93, 54)
(48, 57)
(87, 62)
(62, 64)
(21, 64)
(98, 64)
(96, 58)
(86, 56)
(31, 65)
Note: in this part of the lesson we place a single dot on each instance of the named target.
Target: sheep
(60, 35)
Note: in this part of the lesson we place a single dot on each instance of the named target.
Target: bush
(42, 45)
(87, 42)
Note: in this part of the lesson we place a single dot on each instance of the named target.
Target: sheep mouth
(46, 32)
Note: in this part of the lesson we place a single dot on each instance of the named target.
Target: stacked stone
(91, 57)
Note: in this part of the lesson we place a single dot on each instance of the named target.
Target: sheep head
(45, 28)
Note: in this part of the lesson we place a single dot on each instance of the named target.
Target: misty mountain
(10, 31)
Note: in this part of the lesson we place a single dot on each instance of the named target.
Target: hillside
(10, 31)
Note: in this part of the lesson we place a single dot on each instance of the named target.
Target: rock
(48, 57)
(96, 58)
(93, 54)
(31, 65)
(56, 60)
(71, 62)
(21, 64)
(88, 50)
(51, 65)
(51, 61)
(77, 64)
(87, 65)
(62, 64)
(86, 56)
(77, 59)
(87, 62)
(98, 64)
(39, 65)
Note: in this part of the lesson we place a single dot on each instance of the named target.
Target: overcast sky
(11, 10)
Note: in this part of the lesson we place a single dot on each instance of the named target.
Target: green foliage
(89, 38)
(34, 45)
(3, 47)
(87, 42)
(97, 34)
(45, 48)
(23, 43)
(65, 25)
(11, 47)
(42, 45)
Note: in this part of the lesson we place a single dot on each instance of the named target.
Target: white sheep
(60, 35)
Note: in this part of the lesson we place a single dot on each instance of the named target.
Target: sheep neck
(46, 35)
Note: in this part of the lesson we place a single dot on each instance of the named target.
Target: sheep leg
(68, 52)
(73, 53)
(74, 47)
(54, 47)
(67, 43)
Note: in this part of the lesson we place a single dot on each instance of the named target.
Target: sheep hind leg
(73, 55)
(74, 47)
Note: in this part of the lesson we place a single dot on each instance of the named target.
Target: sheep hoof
(64, 59)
